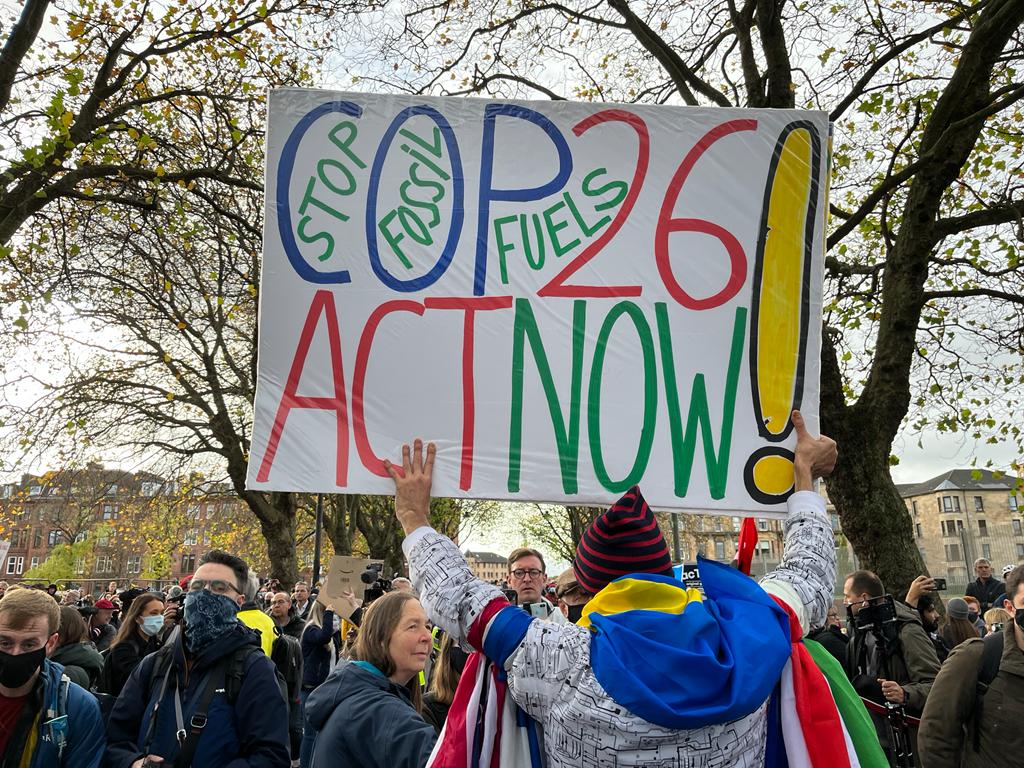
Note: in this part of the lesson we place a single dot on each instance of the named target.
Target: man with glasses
(209, 696)
(527, 577)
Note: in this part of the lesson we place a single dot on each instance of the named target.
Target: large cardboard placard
(343, 576)
(568, 298)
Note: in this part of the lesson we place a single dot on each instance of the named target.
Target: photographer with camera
(891, 663)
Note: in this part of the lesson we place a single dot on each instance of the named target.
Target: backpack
(233, 676)
(287, 657)
(991, 655)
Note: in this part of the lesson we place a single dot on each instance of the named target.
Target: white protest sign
(569, 299)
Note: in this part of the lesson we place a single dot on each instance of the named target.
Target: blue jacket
(363, 720)
(253, 733)
(316, 661)
(85, 739)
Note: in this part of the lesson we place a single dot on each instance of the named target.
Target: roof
(486, 557)
(960, 480)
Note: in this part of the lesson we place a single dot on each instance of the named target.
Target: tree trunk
(340, 520)
(276, 513)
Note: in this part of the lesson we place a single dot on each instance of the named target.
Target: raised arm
(806, 577)
(452, 597)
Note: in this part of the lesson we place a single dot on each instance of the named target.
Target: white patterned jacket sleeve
(806, 577)
(451, 595)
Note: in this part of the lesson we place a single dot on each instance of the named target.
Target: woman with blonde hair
(366, 714)
(444, 680)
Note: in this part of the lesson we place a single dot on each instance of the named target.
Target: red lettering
(470, 306)
(370, 460)
(322, 304)
(557, 286)
(667, 225)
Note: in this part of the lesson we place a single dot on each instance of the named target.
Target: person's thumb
(798, 424)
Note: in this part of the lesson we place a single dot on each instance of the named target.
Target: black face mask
(15, 671)
(575, 612)
(1019, 618)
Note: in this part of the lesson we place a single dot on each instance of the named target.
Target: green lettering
(621, 186)
(346, 145)
(526, 241)
(684, 445)
(553, 227)
(394, 239)
(588, 231)
(435, 216)
(308, 198)
(567, 435)
(503, 247)
(643, 452)
(301, 229)
(321, 170)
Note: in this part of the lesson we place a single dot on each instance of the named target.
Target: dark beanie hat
(625, 539)
(957, 608)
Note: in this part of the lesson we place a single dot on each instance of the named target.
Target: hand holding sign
(815, 456)
(412, 485)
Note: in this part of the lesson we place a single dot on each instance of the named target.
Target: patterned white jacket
(550, 677)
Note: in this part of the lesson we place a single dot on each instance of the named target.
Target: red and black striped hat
(625, 539)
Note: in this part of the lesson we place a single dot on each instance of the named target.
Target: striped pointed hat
(625, 539)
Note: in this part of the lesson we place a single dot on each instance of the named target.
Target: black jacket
(293, 627)
(316, 661)
(82, 663)
(364, 720)
(986, 592)
(251, 733)
(121, 661)
(832, 640)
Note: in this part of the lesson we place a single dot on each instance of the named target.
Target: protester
(986, 588)
(571, 596)
(47, 722)
(958, 626)
(366, 714)
(3, 589)
(646, 686)
(321, 647)
(301, 601)
(101, 631)
(71, 597)
(253, 617)
(284, 616)
(51, 590)
(924, 598)
(402, 584)
(136, 638)
(974, 612)
(444, 680)
(527, 576)
(211, 652)
(82, 663)
(831, 636)
(996, 620)
(897, 668)
(973, 717)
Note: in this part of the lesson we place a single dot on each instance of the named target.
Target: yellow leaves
(167, 285)
(76, 29)
(181, 325)
(160, 171)
(170, 396)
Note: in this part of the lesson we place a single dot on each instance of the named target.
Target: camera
(377, 585)
(878, 616)
(940, 585)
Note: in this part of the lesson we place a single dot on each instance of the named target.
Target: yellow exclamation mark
(779, 317)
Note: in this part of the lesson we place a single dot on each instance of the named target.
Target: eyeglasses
(217, 586)
(522, 573)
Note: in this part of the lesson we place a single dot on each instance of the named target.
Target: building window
(736, 524)
(104, 564)
(79, 565)
(150, 488)
(103, 541)
(719, 525)
(720, 551)
(1020, 551)
(108, 511)
(986, 551)
(191, 537)
(918, 529)
(913, 506)
(762, 525)
(37, 537)
(81, 537)
(35, 562)
(979, 504)
(952, 553)
(983, 529)
(188, 563)
(1012, 501)
(53, 538)
(134, 564)
(1018, 530)
(11, 562)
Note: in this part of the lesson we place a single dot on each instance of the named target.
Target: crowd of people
(614, 663)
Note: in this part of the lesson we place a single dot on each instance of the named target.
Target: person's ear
(240, 600)
(51, 644)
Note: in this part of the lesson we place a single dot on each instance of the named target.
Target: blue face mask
(207, 617)
(151, 624)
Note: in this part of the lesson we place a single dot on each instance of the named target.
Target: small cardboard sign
(343, 576)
